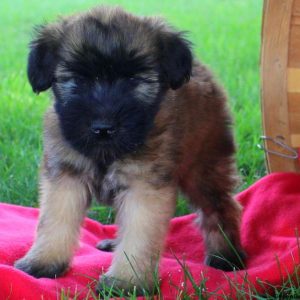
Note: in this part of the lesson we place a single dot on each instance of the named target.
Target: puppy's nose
(102, 129)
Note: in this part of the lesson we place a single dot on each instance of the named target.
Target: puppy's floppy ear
(43, 57)
(175, 58)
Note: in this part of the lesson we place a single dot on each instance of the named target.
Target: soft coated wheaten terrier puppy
(135, 118)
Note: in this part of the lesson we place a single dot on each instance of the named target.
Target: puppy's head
(108, 71)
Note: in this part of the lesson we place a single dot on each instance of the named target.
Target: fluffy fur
(134, 119)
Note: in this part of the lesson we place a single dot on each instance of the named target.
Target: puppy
(135, 118)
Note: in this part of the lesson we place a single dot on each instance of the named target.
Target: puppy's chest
(110, 182)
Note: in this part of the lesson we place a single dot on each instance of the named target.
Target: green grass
(225, 34)
(244, 290)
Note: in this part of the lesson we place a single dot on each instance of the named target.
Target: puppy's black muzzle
(102, 130)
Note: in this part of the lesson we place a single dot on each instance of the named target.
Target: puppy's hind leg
(210, 191)
(64, 200)
(107, 245)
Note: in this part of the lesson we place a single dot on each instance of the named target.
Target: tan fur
(143, 215)
(63, 203)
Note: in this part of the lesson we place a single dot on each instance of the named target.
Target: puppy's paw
(228, 261)
(108, 245)
(38, 269)
(109, 286)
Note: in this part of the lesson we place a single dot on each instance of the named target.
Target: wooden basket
(280, 73)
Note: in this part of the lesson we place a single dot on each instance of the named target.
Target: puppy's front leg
(143, 215)
(64, 200)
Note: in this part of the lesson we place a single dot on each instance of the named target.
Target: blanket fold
(270, 222)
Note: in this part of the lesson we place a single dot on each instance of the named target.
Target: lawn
(225, 35)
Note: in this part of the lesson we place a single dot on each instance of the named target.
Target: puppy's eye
(134, 79)
(66, 83)
(80, 80)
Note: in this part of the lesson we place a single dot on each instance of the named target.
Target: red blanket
(271, 216)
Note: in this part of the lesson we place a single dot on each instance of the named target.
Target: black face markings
(108, 103)
(102, 72)
(117, 87)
